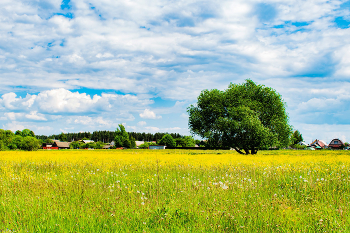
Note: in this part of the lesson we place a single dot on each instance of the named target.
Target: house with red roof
(319, 144)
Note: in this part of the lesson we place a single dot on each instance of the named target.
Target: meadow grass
(174, 191)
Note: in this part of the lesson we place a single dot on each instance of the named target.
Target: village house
(60, 145)
(109, 145)
(336, 144)
(156, 147)
(319, 144)
(87, 141)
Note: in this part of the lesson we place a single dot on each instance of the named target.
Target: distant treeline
(106, 136)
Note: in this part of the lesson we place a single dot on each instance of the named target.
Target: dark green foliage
(122, 137)
(99, 145)
(118, 142)
(296, 137)
(299, 147)
(82, 145)
(62, 137)
(245, 116)
(27, 132)
(146, 145)
(132, 142)
(126, 143)
(108, 136)
(91, 145)
(18, 132)
(76, 145)
(48, 141)
(12, 141)
(2, 145)
(185, 141)
(30, 143)
(167, 140)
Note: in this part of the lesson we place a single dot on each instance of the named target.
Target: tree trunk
(253, 151)
(246, 151)
(239, 151)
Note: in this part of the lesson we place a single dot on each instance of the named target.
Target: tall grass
(174, 191)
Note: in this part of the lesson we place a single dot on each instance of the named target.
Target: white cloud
(176, 129)
(91, 121)
(148, 114)
(152, 129)
(124, 116)
(34, 115)
(62, 100)
(14, 126)
(141, 123)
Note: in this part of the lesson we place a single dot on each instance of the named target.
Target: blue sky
(85, 65)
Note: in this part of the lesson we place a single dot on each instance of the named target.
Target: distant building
(156, 147)
(61, 145)
(319, 144)
(302, 144)
(107, 147)
(87, 141)
(336, 144)
(139, 143)
(48, 146)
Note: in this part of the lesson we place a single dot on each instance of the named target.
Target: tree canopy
(23, 140)
(167, 140)
(296, 138)
(246, 117)
(123, 139)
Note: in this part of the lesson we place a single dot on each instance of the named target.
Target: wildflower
(224, 186)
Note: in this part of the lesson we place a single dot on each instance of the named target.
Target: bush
(76, 145)
(167, 140)
(2, 146)
(299, 147)
(146, 145)
(30, 143)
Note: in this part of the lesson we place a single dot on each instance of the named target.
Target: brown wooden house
(336, 144)
(61, 145)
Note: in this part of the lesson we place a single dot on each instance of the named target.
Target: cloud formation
(148, 114)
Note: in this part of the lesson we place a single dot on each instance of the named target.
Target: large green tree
(122, 137)
(62, 137)
(246, 117)
(167, 140)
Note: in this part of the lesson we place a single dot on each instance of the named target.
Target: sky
(86, 65)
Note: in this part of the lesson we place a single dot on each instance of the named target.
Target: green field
(174, 191)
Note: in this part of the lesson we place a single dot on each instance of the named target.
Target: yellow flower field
(174, 191)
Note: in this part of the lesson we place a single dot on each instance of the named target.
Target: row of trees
(82, 145)
(106, 136)
(23, 140)
(125, 139)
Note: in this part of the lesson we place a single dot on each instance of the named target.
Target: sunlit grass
(174, 190)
